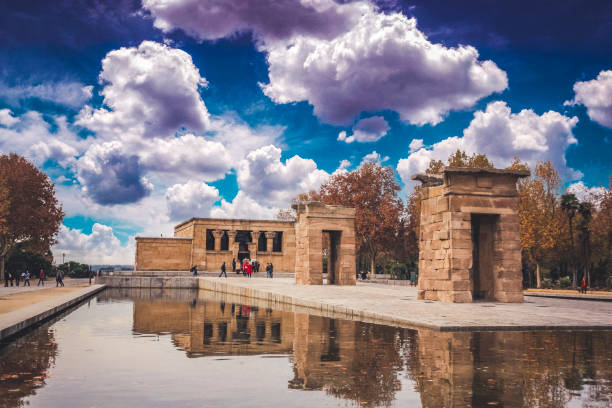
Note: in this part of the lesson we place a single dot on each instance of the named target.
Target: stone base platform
(399, 306)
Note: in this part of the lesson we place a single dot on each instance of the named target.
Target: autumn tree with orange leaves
(32, 215)
(540, 214)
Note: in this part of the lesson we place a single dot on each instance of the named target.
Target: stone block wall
(450, 207)
(156, 254)
(313, 219)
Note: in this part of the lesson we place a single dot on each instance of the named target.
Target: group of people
(13, 278)
(247, 267)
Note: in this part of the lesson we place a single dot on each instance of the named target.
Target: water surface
(180, 348)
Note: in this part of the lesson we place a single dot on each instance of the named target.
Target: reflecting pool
(180, 348)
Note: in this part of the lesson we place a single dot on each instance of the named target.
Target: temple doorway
(331, 249)
(483, 256)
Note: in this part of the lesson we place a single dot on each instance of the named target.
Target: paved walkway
(23, 307)
(399, 306)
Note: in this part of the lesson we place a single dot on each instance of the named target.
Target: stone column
(253, 244)
(218, 234)
(232, 244)
(270, 235)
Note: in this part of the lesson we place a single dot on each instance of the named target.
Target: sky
(147, 113)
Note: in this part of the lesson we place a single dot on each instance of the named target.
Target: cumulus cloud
(501, 135)
(343, 58)
(31, 136)
(381, 62)
(71, 94)
(269, 19)
(7, 118)
(415, 145)
(596, 95)
(111, 176)
(589, 194)
(245, 207)
(366, 130)
(374, 157)
(192, 199)
(99, 247)
(265, 178)
(150, 90)
(186, 155)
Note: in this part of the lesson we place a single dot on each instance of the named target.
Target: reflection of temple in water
(369, 364)
(211, 328)
(511, 369)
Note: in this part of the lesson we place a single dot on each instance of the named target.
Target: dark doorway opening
(483, 256)
(243, 255)
(331, 250)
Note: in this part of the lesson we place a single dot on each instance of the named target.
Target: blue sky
(145, 113)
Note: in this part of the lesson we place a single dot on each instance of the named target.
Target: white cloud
(150, 90)
(374, 157)
(269, 19)
(366, 130)
(192, 199)
(244, 207)
(596, 95)
(501, 135)
(99, 247)
(343, 58)
(415, 145)
(187, 155)
(109, 175)
(34, 138)
(7, 118)
(263, 176)
(382, 62)
(589, 194)
(72, 94)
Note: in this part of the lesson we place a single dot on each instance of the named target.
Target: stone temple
(469, 243)
(293, 246)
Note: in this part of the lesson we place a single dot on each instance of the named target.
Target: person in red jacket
(41, 278)
(249, 269)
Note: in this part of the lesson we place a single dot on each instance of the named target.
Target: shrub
(565, 282)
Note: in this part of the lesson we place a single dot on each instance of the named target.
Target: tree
(34, 214)
(20, 260)
(538, 213)
(570, 205)
(373, 191)
(601, 238)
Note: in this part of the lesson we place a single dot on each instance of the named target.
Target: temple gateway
(293, 246)
(469, 242)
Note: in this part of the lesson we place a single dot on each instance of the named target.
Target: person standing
(10, 275)
(233, 264)
(59, 277)
(41, 277)
(583, 286)
(249, 269)
(17, 279)
(223, 270)
(6, 279)
(26, 278)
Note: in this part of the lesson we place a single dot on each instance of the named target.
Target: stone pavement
(47, 303)
(49, 283)
(399, 306)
